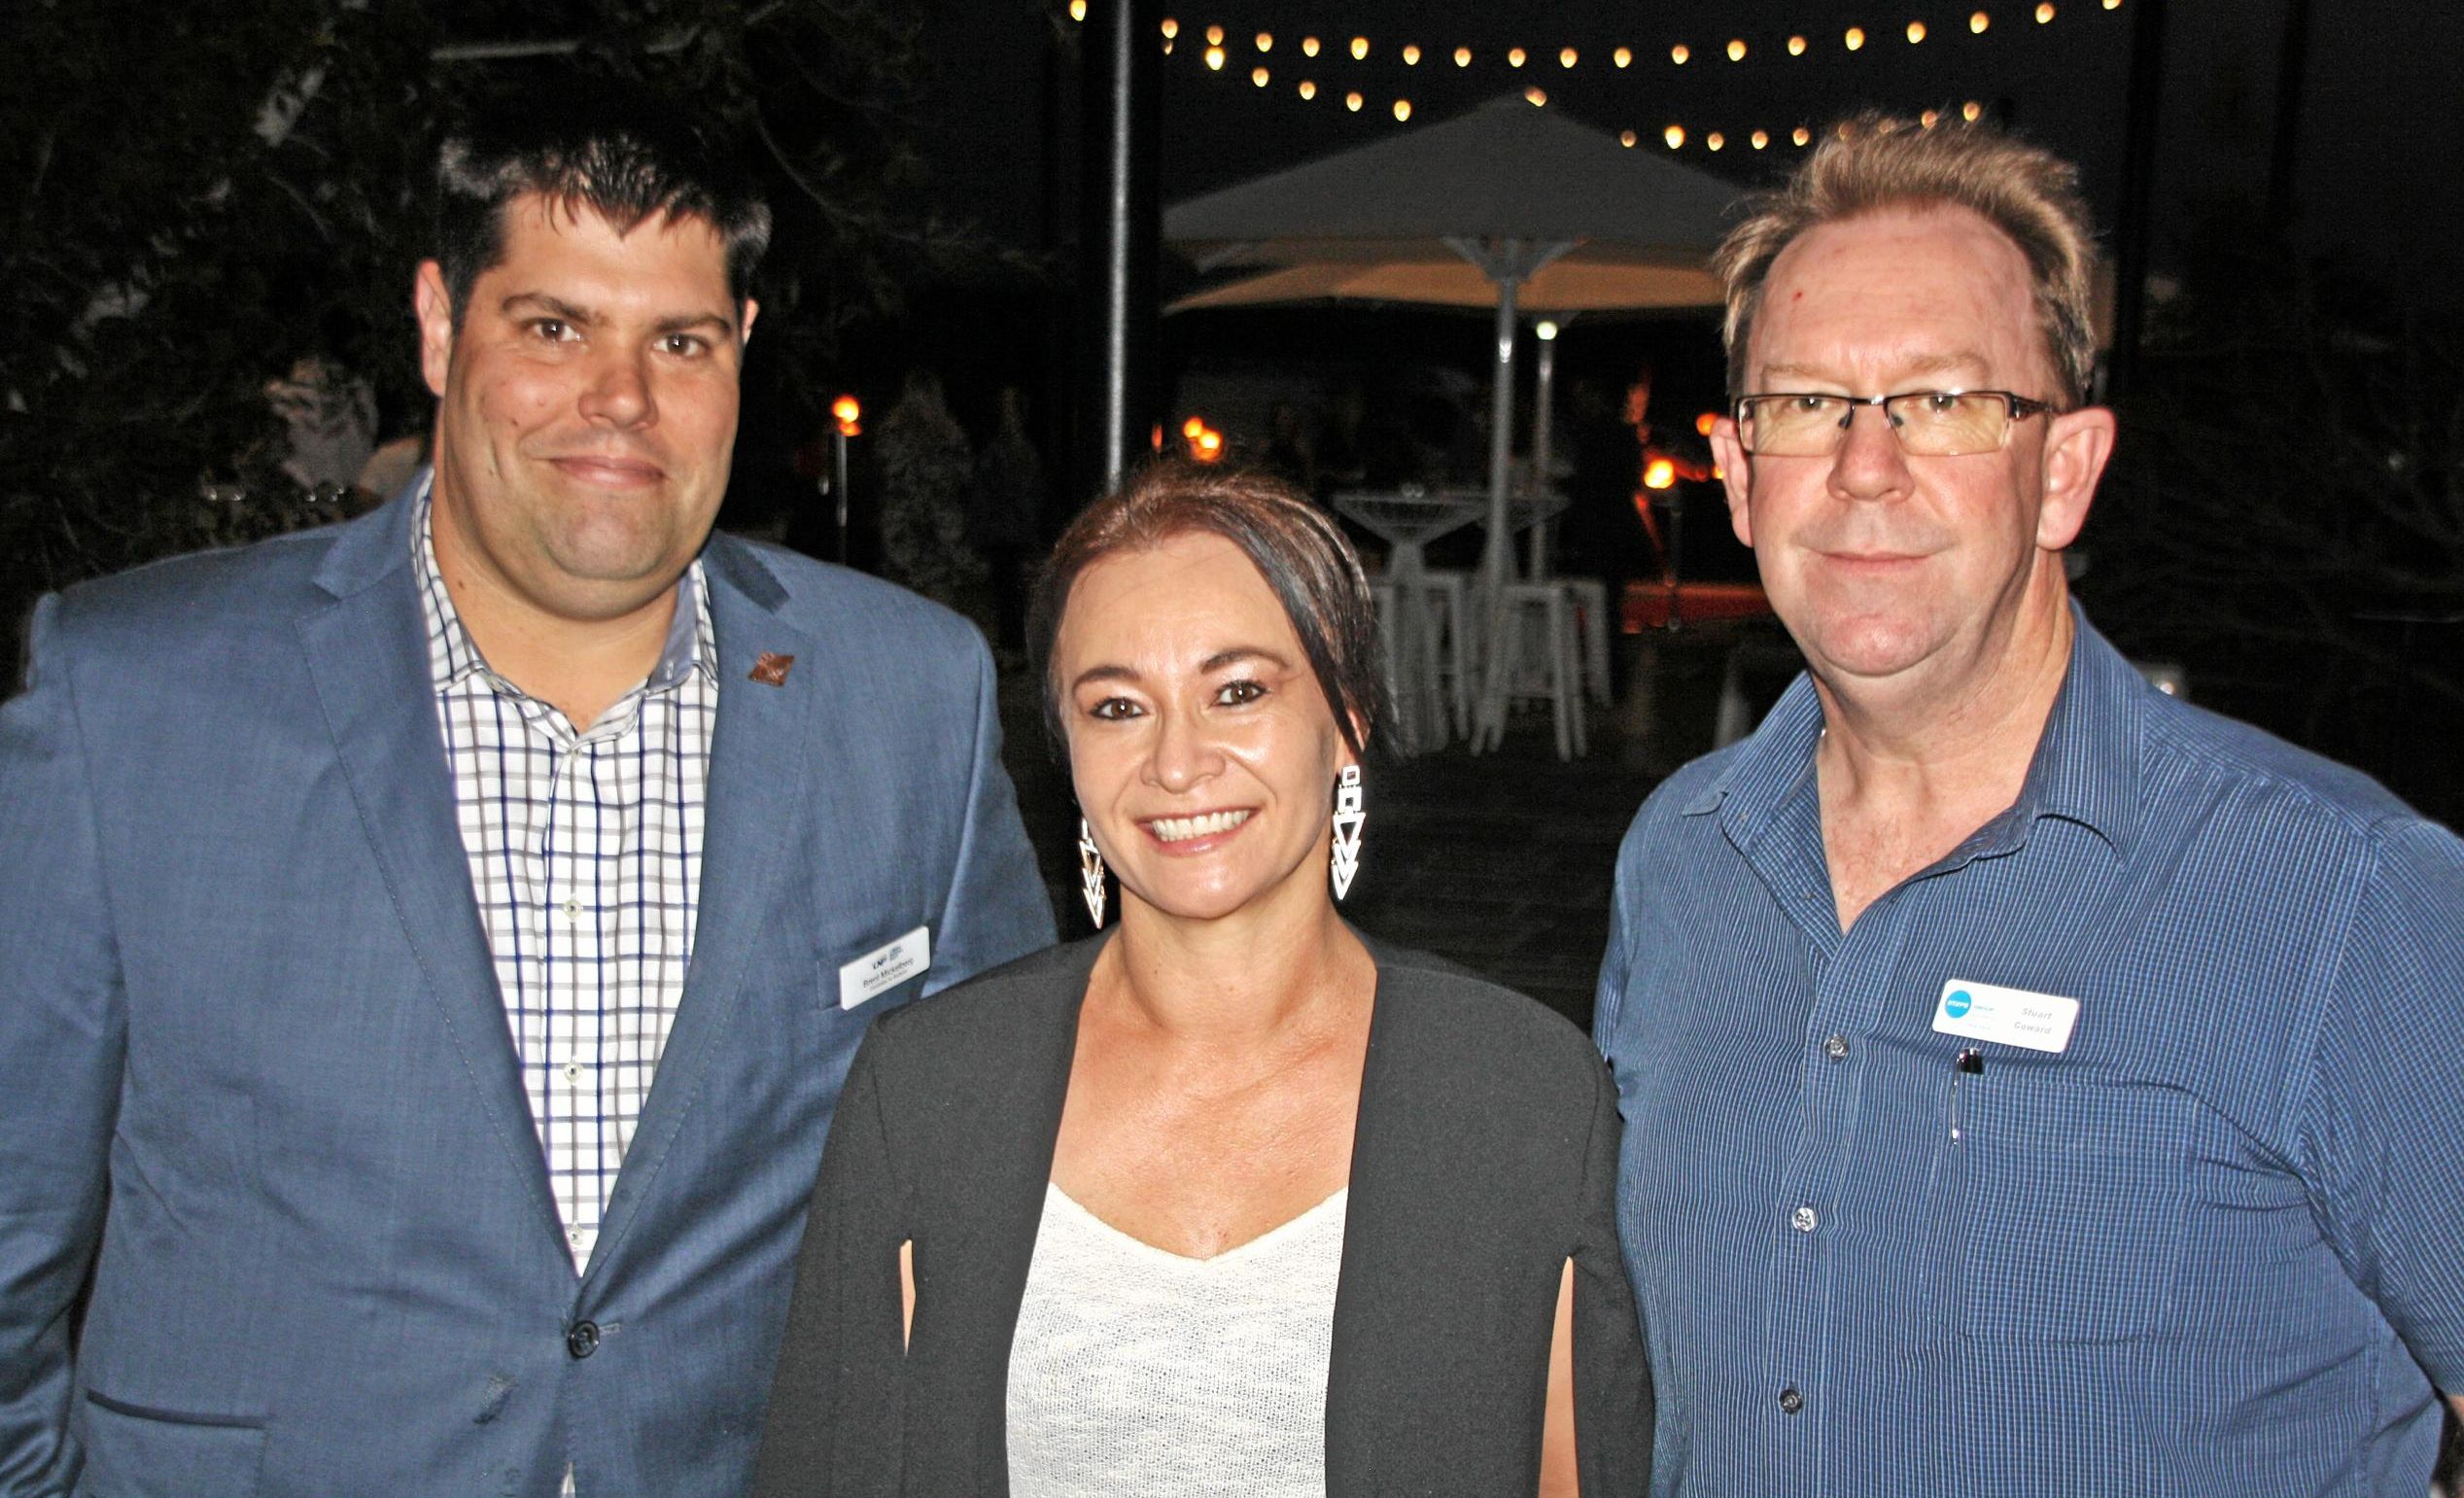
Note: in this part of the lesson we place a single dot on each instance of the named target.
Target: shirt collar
(2085, 769)
(454, 656)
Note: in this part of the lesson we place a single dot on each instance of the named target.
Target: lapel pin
(770, 668)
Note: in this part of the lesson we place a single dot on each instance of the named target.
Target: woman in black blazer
(1228, 1200)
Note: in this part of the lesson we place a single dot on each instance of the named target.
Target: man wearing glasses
(2032, 1084)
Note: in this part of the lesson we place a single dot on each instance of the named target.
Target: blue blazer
(256, 1078)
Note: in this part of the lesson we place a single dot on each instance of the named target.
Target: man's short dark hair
(621, 158)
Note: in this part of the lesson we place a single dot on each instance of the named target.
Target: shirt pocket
(2074, 1190)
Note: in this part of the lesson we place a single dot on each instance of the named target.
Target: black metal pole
(1122, 219)
(2135, 227)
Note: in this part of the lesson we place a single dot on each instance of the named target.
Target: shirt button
(1790, 1401)
(1836, 1048)
(573, 910)
(573, 1071)
(583, 1340)
(1804, 1219)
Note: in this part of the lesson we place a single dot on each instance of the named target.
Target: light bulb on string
(1737, 50)
(1675, 135)
(1855, 38)
(1623, 56)
(1679, 53)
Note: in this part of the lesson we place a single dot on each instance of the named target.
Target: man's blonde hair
(1876, 162)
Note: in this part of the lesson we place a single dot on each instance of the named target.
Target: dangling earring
(1091, 872)
(1348, 818)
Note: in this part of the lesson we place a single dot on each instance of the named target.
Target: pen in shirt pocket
(1969, 1063)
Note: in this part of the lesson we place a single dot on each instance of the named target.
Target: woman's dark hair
(619, 155)
(1296, 547)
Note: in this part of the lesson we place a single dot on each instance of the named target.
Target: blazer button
(583, 1340)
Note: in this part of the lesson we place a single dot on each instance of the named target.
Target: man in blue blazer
(431, 946)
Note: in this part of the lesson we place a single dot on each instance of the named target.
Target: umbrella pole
(1543, 397)
(1498, 560)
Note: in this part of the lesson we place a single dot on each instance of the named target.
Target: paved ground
(1502, 861)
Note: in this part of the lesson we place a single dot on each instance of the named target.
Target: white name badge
(877, 972)
(1981, 1011)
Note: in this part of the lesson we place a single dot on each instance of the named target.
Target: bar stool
(1542, 656)
(1448, 591)
(1408, 648)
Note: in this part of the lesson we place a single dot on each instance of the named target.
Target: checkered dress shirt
(585, 850)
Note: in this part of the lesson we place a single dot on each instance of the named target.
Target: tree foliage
(200, 196)
(2286, 512)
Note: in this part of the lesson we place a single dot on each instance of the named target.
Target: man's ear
(433, 307)
(2077, 446)
(744, 316)
(1736, 474)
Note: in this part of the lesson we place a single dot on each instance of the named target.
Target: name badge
(1981, 1011)
(878, 971)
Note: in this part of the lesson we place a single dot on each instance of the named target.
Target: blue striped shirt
(2210, 1247)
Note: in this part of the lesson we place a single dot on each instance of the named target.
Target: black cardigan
(1484, 1157)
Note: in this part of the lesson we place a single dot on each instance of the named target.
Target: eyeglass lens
(1933, 423)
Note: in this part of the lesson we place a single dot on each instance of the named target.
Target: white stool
(1540, 655)
(1408, 648)
(1591, 608)
(1449, 592)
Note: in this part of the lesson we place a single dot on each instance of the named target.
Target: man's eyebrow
(1917, 366)
(687, 321)
(553, 306)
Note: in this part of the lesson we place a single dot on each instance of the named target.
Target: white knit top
(1138, 1371)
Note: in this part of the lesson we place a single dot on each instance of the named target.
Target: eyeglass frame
(2017, 409)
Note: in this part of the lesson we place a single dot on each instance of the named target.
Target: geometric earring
(1348, 818)
(1091, 872)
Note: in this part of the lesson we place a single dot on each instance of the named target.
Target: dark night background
(200, 197)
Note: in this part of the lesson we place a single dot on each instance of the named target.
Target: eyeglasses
(1928, 423)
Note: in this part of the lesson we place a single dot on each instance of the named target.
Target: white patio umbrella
(1510, 205)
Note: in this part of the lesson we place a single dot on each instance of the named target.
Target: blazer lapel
(758, 788)
(368, 655)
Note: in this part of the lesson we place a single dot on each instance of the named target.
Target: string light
(1077, 10)
(1625, 139)
(1852, 38)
